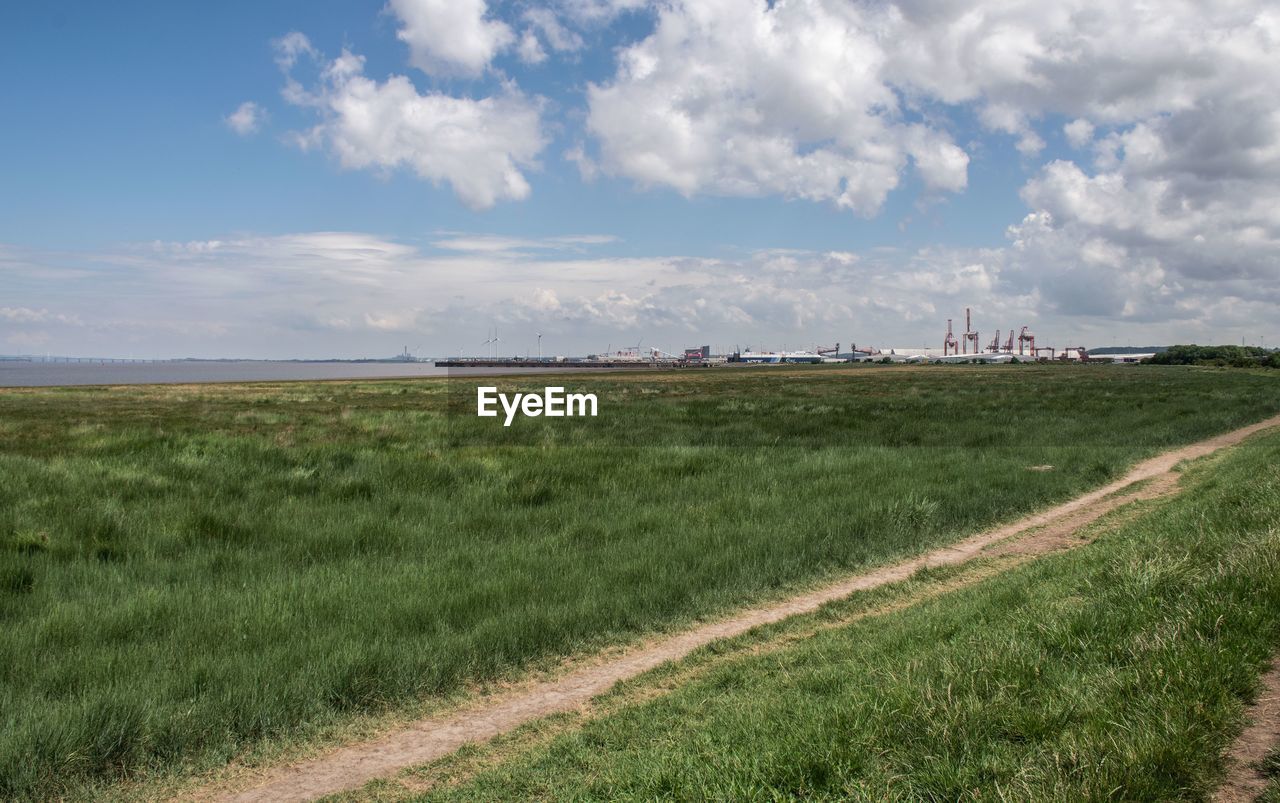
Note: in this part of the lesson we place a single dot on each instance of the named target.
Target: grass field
(1272, 769)
(190, 572)
(1117, 671)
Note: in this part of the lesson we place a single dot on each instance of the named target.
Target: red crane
(1008, 344)
(950, 345)
(1025, 338)
(970, 336)
(994, 345)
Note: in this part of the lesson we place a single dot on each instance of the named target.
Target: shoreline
(17, 375)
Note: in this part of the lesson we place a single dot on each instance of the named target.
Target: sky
(310, 179)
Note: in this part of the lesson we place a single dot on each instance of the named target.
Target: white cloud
(1178, 212)
(529, 49)
(450, 37)
(494, 244)
(290, 47)
(587, 168)
(1104, 62)
(1079, 132)
(560, 38)
(354, 294)
(480, 147)
(246, 119)
(600, 12)
(1176, 219)
(804, 98)
(1166, 217)
(1012, 120)
(940, 163)
(735, 98)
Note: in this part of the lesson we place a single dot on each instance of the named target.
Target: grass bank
(1271, 768)
(188, 573)
(1120, 670)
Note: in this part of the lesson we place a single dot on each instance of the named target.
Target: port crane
(1025, 338)
(968, 343)
(970, 336)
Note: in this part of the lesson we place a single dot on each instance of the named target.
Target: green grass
(187, 573)
(1271, 769)
(1117, 671)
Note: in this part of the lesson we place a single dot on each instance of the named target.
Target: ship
(801, 357)
(775, 357)
(759, 357)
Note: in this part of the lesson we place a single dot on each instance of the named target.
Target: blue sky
(799, 172)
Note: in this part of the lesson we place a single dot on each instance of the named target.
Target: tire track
(1245, 782)
(432, 738)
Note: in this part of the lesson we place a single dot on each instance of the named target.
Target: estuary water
(15, 373)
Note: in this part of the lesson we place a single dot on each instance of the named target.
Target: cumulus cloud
(1010, 119)
(1103, 62)
(1178, 211)
(1171, 213)
(1165, 216)
(806, 99)
(450, 37)
(246, 119)
(736, 98)
(1079, 132)
(479, 147)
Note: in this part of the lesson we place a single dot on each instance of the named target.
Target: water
(45, 374)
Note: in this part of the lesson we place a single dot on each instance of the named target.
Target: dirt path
(433, 738)
(1244, 782)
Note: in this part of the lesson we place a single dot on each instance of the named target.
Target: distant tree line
(1233, 356)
